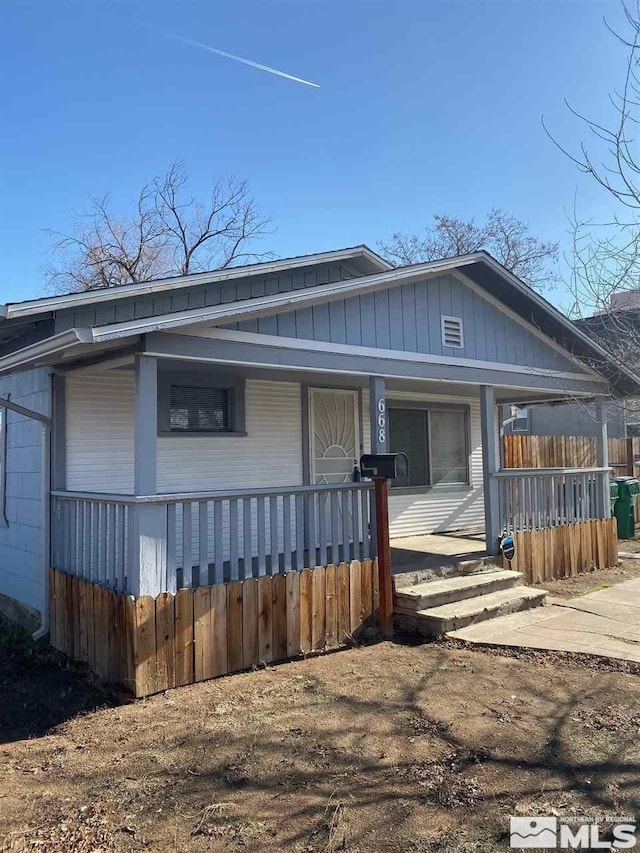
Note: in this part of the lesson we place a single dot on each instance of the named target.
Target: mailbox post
(382, 467)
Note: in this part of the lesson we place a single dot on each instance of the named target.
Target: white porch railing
(535, 498)
(207, 538)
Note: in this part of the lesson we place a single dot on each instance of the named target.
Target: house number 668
(382, 421)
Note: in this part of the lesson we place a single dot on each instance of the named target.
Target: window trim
(631, 424)
(426, 406)
(195, 379)
(515, 420)
(450, 318)
(3, 466)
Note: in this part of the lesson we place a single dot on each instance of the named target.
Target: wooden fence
(567, 451)
(566, 550)
(153, 644)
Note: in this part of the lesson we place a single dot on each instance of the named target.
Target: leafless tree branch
(505, 237)
(169, 232)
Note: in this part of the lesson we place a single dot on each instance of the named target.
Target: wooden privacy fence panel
(153, 644)
(566, 451)
(95, 625)
(566, 550)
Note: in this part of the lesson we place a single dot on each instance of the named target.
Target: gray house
(208, 427)
(620, 326)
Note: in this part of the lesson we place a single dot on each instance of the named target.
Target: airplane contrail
(243, 60)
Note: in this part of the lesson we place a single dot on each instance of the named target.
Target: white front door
(334, 441)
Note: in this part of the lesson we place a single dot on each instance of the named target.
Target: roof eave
(44, 351)
(71, 300)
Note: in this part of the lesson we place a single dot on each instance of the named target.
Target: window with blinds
(194, 409)
(436, 443)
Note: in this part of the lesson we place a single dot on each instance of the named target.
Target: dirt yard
(388, 747)
(593, 581)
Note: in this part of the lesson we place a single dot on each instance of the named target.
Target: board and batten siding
(21, 559)
(203, 295)
(407, 318)
(444, 507)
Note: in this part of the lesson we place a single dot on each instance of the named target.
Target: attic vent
(452, 335)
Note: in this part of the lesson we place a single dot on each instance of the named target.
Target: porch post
(149, 521)
(378, 414)
(379, 444)
(490, 457)
(602, 455)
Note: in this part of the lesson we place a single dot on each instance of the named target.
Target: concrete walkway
(413, 553)
(603, 623)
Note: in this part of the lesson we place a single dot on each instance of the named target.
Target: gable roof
(370, 261)
(478, 268)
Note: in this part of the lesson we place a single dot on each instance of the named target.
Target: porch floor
(603, 623)
(413, 553)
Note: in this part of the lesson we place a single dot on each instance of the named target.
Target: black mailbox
(384, 466)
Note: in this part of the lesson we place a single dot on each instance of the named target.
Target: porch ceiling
(319, 378)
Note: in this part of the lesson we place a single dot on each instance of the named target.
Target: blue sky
(423, 107)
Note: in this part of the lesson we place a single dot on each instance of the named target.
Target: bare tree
(169, 232)
(605, 256)
(505, 237)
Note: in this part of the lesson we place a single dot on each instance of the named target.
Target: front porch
(204, 581)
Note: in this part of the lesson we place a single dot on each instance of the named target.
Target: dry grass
(388, 748)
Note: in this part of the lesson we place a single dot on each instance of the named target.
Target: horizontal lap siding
(100, 428)
(440, 509)
(21, 569)
(270, 455)
(99, 431)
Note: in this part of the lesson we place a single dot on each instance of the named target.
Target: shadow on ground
(391, 747)
(39, 688)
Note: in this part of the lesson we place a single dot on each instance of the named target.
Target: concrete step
(454, 569)
(437, 621)
(435, 593)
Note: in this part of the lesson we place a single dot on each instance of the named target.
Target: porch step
(437, 621)
(453, 569)
(435, 593)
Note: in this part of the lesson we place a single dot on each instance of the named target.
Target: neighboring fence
(566, 550)
(537, 498)
(215, 537)
(566, 451)
(149, 645)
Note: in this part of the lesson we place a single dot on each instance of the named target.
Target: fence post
(602, 456)
(630, 457)
(385, 613)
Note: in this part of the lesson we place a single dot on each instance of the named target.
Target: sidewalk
(604, 623)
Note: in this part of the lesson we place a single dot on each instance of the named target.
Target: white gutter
(45, 422)
(22, 358)
(70, 300)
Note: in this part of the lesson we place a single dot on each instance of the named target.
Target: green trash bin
(628, 489)
(613, 496)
